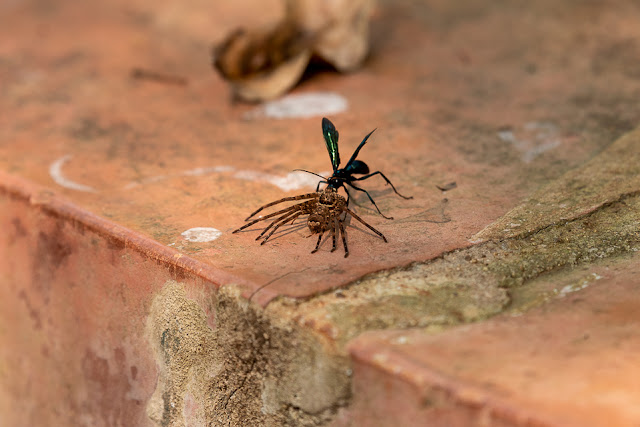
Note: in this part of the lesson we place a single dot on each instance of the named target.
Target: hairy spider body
(341, 177)
(325, 211)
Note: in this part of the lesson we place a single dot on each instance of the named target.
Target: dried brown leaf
(264, 64)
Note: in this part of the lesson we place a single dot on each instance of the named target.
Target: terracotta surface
(572, 362)
(445, 88)
(73, 343)
(103, 166)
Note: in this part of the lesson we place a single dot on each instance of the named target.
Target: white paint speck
(380, 358)
(292, 181)
(55, 170)
(507, 136)
(401, 340)
(201, 234)
(578, 286)
(207, 171)
(295, 180)
(303, 105)
(533, 139)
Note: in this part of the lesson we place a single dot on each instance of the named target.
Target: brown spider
(324, 208)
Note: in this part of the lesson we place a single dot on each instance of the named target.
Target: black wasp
(343, 177)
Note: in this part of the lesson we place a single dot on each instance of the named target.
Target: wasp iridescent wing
(350, 163)
(330, 134)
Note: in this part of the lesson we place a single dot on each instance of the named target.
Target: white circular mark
(401, 340)
(303, 105)
(292, 181)
(201, 234)
(55, 171)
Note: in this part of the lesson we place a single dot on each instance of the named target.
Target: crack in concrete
(275, 279)
(244, 381)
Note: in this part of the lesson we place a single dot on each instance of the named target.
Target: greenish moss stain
(447, 304)
(474, 283)
(604, 233)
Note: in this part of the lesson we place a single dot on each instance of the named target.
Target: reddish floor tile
(571, 362)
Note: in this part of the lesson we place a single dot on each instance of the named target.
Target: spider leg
(344, 239)
(370, 198)
(285, 199)
(386, 179)
(299, 206)
(285, 217)
(282, 222)
(367, 225)
(333, 234)
(318, 243)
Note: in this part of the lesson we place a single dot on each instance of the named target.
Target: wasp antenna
(312, 173)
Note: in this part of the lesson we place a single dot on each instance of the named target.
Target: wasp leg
(386, 179)
(367, 225)
(372, 201)
(348, 194)
(344, 239)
